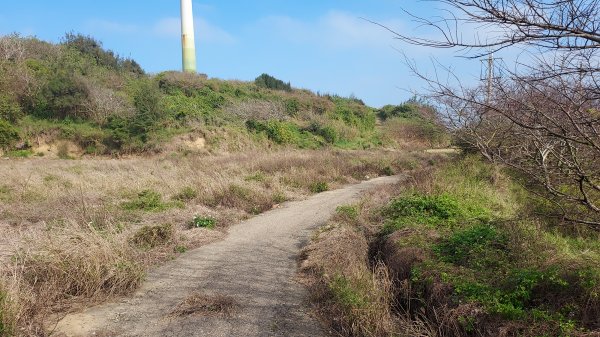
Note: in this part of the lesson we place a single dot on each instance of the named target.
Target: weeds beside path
(251, 274)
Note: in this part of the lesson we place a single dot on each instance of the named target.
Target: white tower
(187, 37)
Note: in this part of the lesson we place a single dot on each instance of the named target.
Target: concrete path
(255, 266)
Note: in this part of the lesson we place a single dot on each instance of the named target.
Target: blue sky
(321, 45)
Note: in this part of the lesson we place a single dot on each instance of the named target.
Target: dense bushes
(91, 47)
(405, 110)
(270, 82)
(62, 96)
(8, 135)
(10, 110)
(81, 92)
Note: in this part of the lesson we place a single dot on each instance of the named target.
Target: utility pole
(488, 74)
(490, 77)
(188, 42)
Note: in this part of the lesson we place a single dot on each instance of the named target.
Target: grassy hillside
(77, 98)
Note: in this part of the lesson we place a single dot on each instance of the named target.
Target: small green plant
(258, 176)
(279, 197)
(203, 222)
(346, 294)
(388, 171)
(187, 194)
(180, 249)
(348, 212)
(19, 154)
(149, 201)
(319, 187)
(5, 193)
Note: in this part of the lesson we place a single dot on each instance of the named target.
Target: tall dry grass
(75, 228)
(355, 292)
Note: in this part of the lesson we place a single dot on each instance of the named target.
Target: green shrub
(292, 106)
(319, 187)
(284, 133)
(478, 247)
(173, 82)
(406, 110)
(421, 209)
(278, 197)
(328, 133)
(270, 82)
(180, 249)
(92, 48)
(354, 114)
(203, 222)
(8, 135)
(62, 96)
(279, 132)
(513, 297)
(146, 99)
(436, 211)
(10, 110)
(388, 171)
(149, 201)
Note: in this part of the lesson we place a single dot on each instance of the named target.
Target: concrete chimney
(187, 37)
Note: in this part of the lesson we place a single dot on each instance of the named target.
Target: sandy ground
(255, 265)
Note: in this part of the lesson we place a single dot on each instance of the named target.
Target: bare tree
(11, 49)
(543, 118)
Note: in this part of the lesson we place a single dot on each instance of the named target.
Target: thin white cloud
(205, 31)
(335, 30)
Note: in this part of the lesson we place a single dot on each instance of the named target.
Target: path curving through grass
(244, 285)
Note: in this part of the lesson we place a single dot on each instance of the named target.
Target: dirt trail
(255, 264)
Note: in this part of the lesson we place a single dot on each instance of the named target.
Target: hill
(76, 98)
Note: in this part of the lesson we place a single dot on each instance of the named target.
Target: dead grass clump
(356, 300)
(401, 259)
(149, 237)
(206, 305)
(251, 200)
(71, 264)
(187, 82)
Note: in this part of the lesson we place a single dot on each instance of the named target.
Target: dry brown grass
(357, 299)
(69, 241)
(355, 293)
(206, 305)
